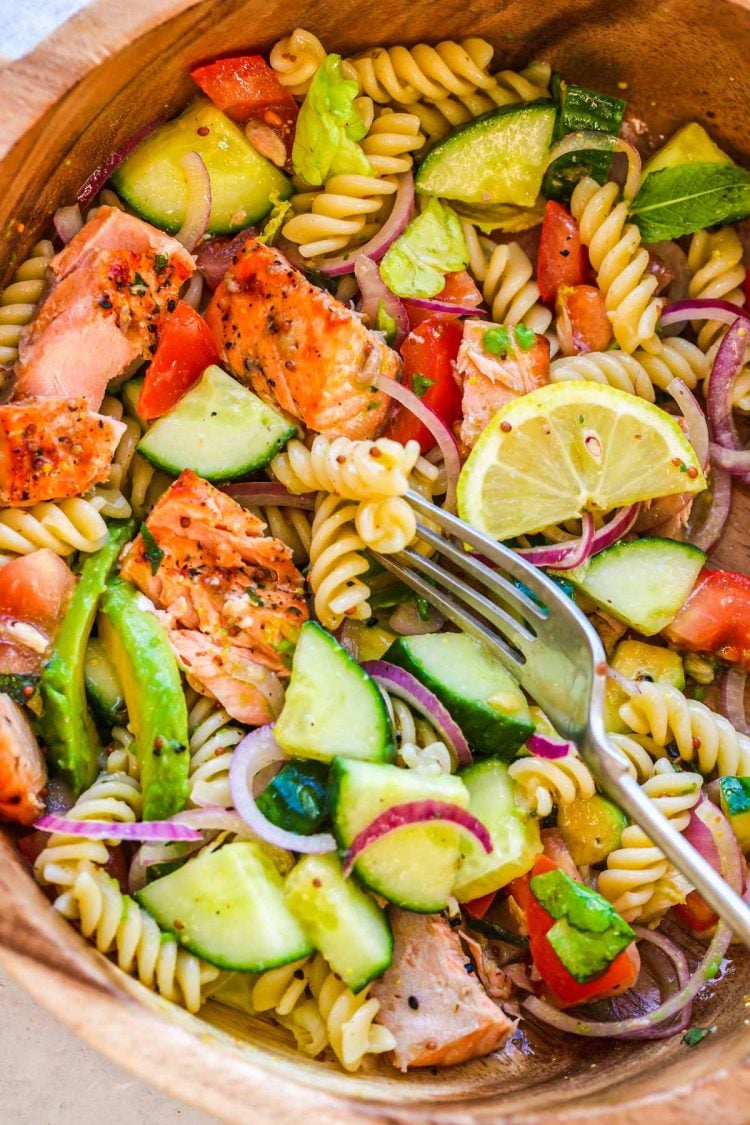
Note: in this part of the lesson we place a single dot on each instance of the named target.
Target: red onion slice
(150, 830)
(701, 308)
(437, 427)
(543, 747)
(198, 206)
(721, 503)
(727, 366)
(587, 139)
(215, 256)
(256, 751)
(694, 417)
(619, 525)
(374, 292)
(406, 620)
(409, 814)
(194, 291)
(736, 462)
(67, 222)
(564, 556)
(111, 163)
(407, 687)
(269, 492)
(435, 305)
(732, 699)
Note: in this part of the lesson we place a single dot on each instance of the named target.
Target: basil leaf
(690, 197)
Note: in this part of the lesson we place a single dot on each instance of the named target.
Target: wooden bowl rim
(114, 1013)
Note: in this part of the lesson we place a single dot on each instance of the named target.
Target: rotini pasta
(350, 1020)
(639, 374)
(391, 141)
(417, 742)
(120, 757)
(19, 300)
(635, 869)
(279, 990)
(353, 470)
(506, 276)
(621, 264)
(212, 739)
(117, 925)
(715, 262)
(410, 74)
(292, 526)
(295, 60)
(336, 562)
(543, 783)
(700, 735)
(387, 525)
(328, 221)
(63, 526)
(640, 761)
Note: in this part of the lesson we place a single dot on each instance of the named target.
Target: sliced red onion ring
(449, 308)
(437, 427)
(256, 751)
(699, 835)
(67, 222)
(215, 256)
(550, 748)
(701, 308)
(194, 291)
(564, 556)
(406, 621)
(732, 699)
(112, 830)
(377, 246)
(198, 207)
(721, 503)
(727, 366)
(111, 163)
(646, 1027)
(694, 418)
(734, 461)
(586, 139)
(409, 814)
(401, 683)
(619, 525)
(262, 492)
(375, 292)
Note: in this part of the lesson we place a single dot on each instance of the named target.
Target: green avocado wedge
(141, 655)
(66, 725)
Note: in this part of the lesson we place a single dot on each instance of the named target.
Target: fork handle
(621, 786)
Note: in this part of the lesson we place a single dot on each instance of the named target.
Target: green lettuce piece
(431, 246)
(275, 221)
(690, 197)
(328, 127)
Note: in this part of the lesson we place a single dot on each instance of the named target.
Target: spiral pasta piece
(349, 1019)
(418, 744)
(328, 221)
(507, 279)
(20, 299)
(635, 869)
(64, 526)
(387, 525)
(391, 141)
(279, 990)
(640, 762)
(639, 374)
(212, 736)
(295, 58)
(354, 470)
(621, 264)
(120, 758)
(715, 262)
(336, 562)
(411, 74)
(543, 783)
(118, 926)
(666, 716)
(128, 443)
(293, 526)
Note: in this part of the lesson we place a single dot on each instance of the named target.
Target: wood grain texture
(78, 96)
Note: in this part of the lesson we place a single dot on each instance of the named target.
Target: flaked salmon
(431, 1000)
(113, 287)
(52, 448)
(231, 598)
(298, 347)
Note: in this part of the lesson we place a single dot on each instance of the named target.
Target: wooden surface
(63, 109)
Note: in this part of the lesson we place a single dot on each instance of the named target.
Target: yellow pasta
(391, 141)
(19, 300)
(295, 58)
(350, 1020)
(336, 562)
(213, 736)
(279, 990)
(410, 74)
(715, 262)
(543, 783)
(641, 373)
(387, 525)
(63, 526)
(328, 221)
(354, 470)
(418, 745)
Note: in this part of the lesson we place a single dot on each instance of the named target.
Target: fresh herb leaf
(432, 246)
(690, 197)
(696, 1035)
(420, 384)
(385, 323)
(253, 596)
(138, 285)
(151, 549)
(161, 261)
(423, 609)
(275, 221)
(328, 127)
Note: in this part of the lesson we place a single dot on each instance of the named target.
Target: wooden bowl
(76, 98)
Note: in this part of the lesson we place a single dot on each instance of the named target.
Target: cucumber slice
(103, 685)
(515, 836)
(482, 697)
(153, 182)
(497, 158)
(341, 920)
(332, 707)
(228, 907)
(219, 429)
(643, 583)
(414, 867)
(582, 109)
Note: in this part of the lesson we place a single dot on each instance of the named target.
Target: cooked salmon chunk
(231, 598)
(437, 1011)
(299, 348)
(51, 448)
(113, 287)
(491, 379)
(23, 773)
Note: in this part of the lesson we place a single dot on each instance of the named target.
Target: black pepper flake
(469, 967)
(413, 1003)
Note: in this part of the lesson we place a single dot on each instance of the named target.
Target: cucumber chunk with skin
(332, 707)
(414, 867)
(219, 429)
(643, 583)
(481, 696)
(497, 158)
(228, 907)
(341, 920)
(103, 686)
(152, 180)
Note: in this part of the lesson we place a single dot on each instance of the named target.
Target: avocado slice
(144, 663)
(591, 827)
(734, 794)
(639, 661)
(689, 145)
(66, 725)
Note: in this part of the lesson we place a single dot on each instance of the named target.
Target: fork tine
(492, 579)
(512, 658)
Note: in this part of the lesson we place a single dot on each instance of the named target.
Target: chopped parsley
(151, 549)
(420, 384)
(254, 596)
(138, 285)
(497, 341)
(161, 261)
(423, 609)
(696, 1035)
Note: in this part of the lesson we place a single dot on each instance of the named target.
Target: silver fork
(552, 649)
